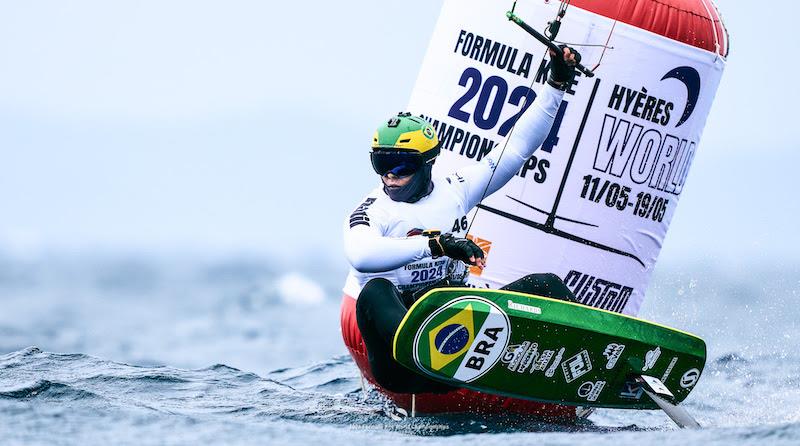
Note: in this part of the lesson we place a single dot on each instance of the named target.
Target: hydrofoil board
(525, 346)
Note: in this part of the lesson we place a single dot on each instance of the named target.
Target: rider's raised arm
(508, 157)
(369, 251)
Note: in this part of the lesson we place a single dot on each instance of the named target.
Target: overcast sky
(246, 125)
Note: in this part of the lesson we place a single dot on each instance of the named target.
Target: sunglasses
(400, 164)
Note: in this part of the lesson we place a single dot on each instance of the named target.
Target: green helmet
(404, 143)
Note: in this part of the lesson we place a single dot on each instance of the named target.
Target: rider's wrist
(437, 250)
(557, 85)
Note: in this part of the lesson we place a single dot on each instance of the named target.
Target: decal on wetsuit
(359, 216)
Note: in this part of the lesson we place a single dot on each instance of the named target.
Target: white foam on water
(294, 288)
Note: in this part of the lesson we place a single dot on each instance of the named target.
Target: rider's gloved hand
(456, 248)
(562, 67)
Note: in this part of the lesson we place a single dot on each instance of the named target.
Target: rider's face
(393, 181)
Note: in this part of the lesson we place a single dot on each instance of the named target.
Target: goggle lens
(400, 164)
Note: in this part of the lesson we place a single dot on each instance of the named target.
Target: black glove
(562, 73)
(454, 247)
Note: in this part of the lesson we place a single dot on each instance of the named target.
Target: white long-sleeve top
(382, 237)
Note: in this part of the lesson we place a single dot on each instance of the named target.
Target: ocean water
(182, 349)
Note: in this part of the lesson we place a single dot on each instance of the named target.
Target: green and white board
(531, 347)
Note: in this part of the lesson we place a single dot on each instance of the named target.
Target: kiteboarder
(392, 240)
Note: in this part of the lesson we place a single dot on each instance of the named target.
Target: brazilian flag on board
(462, 339)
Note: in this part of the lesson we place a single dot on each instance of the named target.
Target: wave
(46, 390)
(267, 378)
(323, 393)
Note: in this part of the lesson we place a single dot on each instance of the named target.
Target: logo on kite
(691, 79)
(485, 246)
